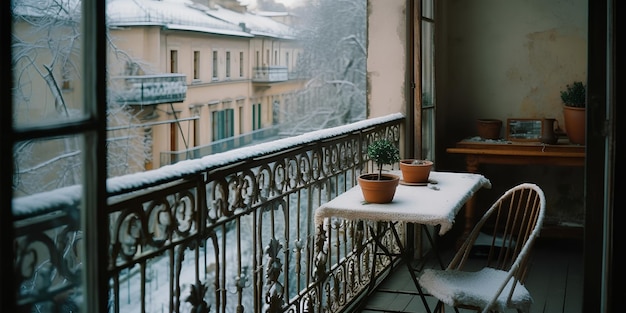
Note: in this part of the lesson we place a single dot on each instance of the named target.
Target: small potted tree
(574, 100)
(380, 187)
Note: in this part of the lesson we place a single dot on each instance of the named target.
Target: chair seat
(455, 287)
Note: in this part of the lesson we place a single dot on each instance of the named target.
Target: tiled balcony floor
(555, 281)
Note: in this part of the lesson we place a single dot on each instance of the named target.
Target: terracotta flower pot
(378, 191)
(488, 128)
(415, 171)
(574, 119)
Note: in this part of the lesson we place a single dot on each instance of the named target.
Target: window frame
(173, 61)
(427, 93)
(196, 65)
(91, 127)
(241, 64)
(256, 116)
(214, 65)
(228, 64)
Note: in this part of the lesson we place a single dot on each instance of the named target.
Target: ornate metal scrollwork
(196, 298)
(48, 265)
(274, 295)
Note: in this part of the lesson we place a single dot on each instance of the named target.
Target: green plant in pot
(380, 187)
(574, 99)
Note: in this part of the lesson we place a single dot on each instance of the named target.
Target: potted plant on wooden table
(574, 100)
(380, 187)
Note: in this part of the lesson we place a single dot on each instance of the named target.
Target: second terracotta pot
(415, 171)
(488, 128)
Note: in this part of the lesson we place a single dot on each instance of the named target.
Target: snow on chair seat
(512, 225)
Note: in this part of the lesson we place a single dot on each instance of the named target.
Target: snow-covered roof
(172, 14)
(188, 15)
(257, 24)
(272, 13)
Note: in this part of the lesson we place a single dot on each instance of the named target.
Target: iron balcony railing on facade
(222, 145)
(149, 89)
(229, 232)
(270, 74)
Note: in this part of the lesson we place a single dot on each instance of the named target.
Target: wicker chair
(507, 232)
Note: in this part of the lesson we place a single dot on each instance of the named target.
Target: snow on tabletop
(435, 204)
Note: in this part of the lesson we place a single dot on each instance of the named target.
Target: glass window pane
(48, 175)
(428, 65)
(48, 232)
(46, 63)
(428, 80)
(428, 134)
(47, 164)
(428, 9)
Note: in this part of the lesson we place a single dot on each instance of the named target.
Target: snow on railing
(233, 230)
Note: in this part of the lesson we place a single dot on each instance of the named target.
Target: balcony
(149, 89)
(231, 231)
(270, 74)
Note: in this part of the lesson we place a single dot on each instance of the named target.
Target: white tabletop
(434, 204)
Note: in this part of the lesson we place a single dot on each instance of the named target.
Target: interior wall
(510, 59)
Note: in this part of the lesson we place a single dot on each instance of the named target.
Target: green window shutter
(221, 124)
(215, 125)
(254, 114)
(230, 118)
(258, 126)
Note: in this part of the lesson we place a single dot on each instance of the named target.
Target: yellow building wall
(206, 94)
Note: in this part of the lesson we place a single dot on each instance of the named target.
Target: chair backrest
(510, 228)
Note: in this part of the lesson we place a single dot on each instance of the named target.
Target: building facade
(236, 67)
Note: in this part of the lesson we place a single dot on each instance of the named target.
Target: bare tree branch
(46, 43)
(334, 59)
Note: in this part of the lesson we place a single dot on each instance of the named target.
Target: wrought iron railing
(230, 232)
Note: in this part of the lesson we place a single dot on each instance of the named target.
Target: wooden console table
(515, 153)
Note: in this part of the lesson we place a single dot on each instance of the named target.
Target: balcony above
(270, 74)
(150, 89)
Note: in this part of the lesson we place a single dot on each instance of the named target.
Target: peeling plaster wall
(510, 59)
